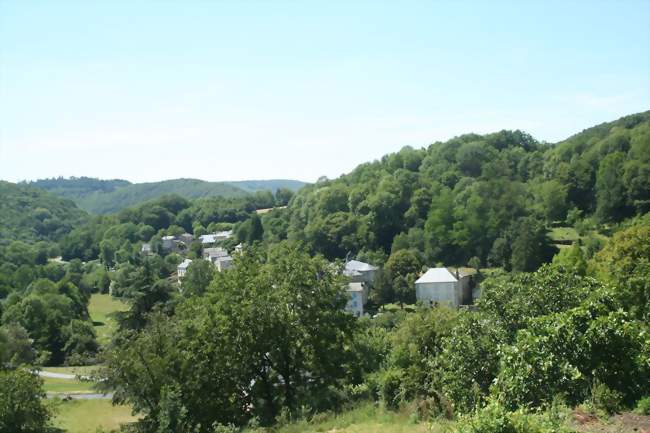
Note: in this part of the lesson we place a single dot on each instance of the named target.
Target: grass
(101, 309)
(68, 386)
(85, 370)
(86, 416)
(367, 418)
(564, 234)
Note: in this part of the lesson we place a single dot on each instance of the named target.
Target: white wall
(442, 293)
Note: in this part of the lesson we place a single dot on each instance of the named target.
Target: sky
(234, 90)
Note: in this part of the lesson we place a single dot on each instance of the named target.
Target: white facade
(358, 296)
(438, 286)
(181, 270)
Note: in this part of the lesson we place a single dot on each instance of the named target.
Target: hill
(109, 196)
(489, 198)
(31, 214)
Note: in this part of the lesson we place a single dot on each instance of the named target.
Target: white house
(146, 249)
(358, 296)
(360, 272)
(208, 239)
(438, 286)
(168, 242)
(223, 262)
(181, 270)
(212, 253)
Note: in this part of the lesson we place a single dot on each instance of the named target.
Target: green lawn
(368, 418)
(101, 308)
(85, 370)
(71, 386)
(564, 234)
(86, 416)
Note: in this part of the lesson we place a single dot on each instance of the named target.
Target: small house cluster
(435, 287)
(180, 244)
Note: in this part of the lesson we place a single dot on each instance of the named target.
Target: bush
(643, 406)
(495, 418)
(605, 399)
(391, 383)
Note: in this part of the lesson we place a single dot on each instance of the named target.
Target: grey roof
(208, 239)
(437, 275)
(355, 267)
(215, 252)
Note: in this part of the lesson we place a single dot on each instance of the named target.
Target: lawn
(69, 386)
(85, 370)
(86, 416)
(101, 308)
(368, 418)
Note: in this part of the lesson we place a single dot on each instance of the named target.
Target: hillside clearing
(87, 416)
(101, 309)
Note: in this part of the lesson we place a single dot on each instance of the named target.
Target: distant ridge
(103, 197)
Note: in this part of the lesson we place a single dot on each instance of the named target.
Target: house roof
(354, 267)
(168, 238)
(355, 287)
(185, 264)
(208, 239)
(437, 275)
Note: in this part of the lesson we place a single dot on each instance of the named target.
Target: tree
(21, 403)
(199, 275)
(572, 259)
(610, 190)
(401, 270)
(255, 336)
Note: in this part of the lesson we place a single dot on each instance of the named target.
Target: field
(100, 308)
(86, 416)
(68, 386)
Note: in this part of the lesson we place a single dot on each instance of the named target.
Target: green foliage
(495, 418)
(605, 399)
(625, 263)
(257, 335)
(643, 406)
(198, 277)
(30, 214)
(469, 361)
(21, 403)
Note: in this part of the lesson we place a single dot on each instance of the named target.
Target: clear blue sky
(226, 90)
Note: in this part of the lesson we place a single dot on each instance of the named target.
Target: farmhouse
(182, 269)
(360, 272)
(438, 286)
(358, 294)
(223, 262)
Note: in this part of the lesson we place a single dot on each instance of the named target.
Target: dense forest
(268, 341)
(109, 196)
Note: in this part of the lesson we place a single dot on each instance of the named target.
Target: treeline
(124, 232)
(104, 197)
(491, 197)
(30, 214)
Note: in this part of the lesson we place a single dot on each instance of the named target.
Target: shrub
(391, 388)
(605, 398)
(643, 406)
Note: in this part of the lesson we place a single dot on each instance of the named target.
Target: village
(437, 286)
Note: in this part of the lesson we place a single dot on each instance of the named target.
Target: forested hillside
(109, 196)
(489, 197)
(246, 345)
(30, 214)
